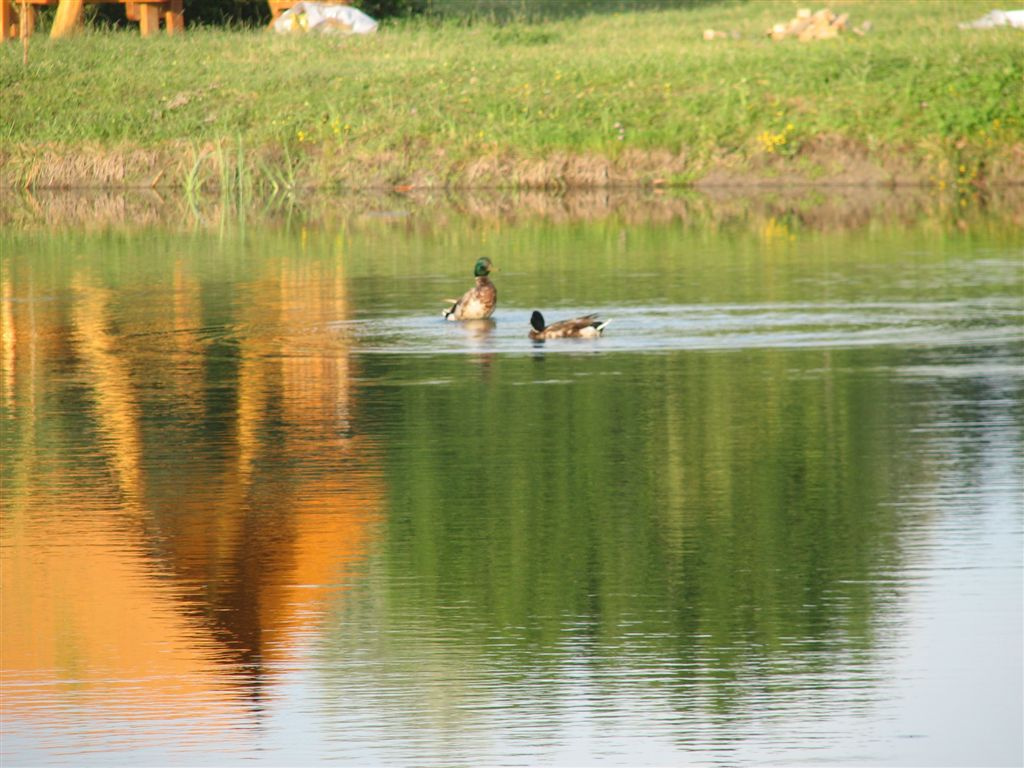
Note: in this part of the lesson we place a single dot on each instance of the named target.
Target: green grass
(427, 98)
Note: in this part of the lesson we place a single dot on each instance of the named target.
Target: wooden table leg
(149, 19)
(26, 19)
(8, 28)
(174, 19)
(68, 19)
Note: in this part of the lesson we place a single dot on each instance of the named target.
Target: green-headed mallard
(478, 302)
(584, 327)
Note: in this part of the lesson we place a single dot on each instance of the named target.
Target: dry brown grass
(825, 160)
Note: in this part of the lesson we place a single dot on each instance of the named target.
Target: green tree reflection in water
(701, 519)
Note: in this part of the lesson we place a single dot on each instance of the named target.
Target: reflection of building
(175, 514)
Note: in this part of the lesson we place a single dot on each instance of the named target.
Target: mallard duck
(584, 327)
(478, 302)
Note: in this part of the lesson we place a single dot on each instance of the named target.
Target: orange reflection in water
(83, 616)
(177, 585)
(7, 337)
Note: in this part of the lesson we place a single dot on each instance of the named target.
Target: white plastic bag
(329, 18)
(997, 19)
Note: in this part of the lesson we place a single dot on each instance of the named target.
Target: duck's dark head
(537, 321)
(482, 268)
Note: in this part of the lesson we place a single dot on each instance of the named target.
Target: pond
(261, 504)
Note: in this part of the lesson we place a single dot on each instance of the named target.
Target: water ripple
(657, 328)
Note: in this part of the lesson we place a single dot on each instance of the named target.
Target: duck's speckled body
(584, 327)
(479, 301)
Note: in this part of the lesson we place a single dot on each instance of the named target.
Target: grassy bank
(602, 99)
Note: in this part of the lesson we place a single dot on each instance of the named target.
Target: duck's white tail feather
(600, 327)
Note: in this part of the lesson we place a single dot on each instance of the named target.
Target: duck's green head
(483, 267)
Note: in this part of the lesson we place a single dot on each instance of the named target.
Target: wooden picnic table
(147, 12)
(16, 17)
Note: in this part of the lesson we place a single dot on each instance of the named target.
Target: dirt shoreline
(826, 161)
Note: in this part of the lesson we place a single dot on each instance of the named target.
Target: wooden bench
(147, 13)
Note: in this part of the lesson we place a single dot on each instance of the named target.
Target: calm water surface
(261, 505)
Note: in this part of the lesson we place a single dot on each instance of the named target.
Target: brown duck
(584, 327)
(479, 301)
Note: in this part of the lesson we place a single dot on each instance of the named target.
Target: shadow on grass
(533, 11)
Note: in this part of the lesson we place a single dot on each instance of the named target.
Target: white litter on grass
(997, 19)
(328, 18)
